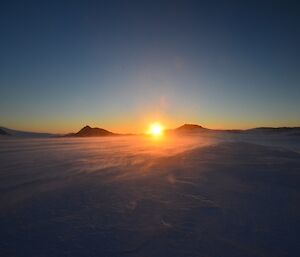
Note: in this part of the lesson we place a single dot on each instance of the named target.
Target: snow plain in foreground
(135, 196)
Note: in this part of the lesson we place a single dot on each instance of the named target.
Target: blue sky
(122, 64)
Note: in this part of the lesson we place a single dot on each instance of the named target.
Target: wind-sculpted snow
(136, 196)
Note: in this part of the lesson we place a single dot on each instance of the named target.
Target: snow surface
(211, 196)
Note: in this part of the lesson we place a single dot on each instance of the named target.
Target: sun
(156, 129)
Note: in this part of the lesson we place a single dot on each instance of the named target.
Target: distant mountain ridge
(190, 127)
(87, 131)
(187, 129)
(271, 130)
(4, 133)
(18, 133)
(195, 128)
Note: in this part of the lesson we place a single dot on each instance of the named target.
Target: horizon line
(136, 133)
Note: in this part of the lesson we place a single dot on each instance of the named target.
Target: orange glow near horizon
(156, 129)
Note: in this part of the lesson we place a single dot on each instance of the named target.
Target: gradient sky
(122, 64)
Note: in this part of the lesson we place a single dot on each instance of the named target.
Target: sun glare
(156, 129)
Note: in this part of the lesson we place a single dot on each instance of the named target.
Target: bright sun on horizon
(156, 129)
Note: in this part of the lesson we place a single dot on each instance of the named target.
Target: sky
(121, 65)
